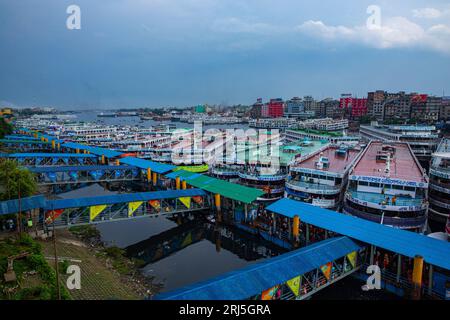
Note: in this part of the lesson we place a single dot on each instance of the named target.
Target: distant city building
(397, 106)
(375, 104)
(327, 108)
(275, 108)
(256, 110)
(356, 107)
(295, 108)
(444, 113)
(309, 103)
(425, 108)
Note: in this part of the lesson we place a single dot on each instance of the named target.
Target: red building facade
(356, 106)
(275, 108)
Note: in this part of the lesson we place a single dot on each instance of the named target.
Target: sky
(150, 53)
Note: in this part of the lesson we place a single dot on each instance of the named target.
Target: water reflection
(197, 250)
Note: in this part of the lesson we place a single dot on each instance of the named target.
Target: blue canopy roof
(50, 155)
(12, 206)
(145, 164)
(121, 198)
(254, 279)
(94, 150)
(77, 168)
(407, 243)
(19, 137)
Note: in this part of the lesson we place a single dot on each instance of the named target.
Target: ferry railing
(395, 221)
(379, 198)
(313, 186)
(439, 200)
(440, 186)
(390, 278)
(80, 216)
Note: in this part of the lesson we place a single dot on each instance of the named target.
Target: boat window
(374, 184)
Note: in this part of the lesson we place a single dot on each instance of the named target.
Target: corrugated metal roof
(51, 155)
(20, 137)
(121, 198)
(407, 243)
(144, 164)
(12, 206)
(76, 168)
(15, 141)
(254, 279)
(224, 188)
(94, 150)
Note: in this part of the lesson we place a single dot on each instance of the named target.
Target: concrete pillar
(183, 185)
(417, 276)
(217, 201)
(177, 183)
(296, 227)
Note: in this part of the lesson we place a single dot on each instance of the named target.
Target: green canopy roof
(222, 187)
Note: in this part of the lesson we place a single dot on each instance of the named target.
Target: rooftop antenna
(388, 165)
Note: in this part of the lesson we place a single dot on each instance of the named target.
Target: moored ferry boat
(320, 178)
(439, 191)
(387, 185)
(271, 179)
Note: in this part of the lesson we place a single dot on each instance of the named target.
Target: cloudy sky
(131, 53)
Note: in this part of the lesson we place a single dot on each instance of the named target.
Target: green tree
(5, 128)
(14, 178)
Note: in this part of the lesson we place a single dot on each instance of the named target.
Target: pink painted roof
(338, 164)
(403, 165)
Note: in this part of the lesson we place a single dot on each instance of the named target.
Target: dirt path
(98, 280)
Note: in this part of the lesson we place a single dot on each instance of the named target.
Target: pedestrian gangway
(294, 275)
(57, 175)
(52, 159)
(98, 209)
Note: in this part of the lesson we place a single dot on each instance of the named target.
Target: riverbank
(31, 277)
(106, 274)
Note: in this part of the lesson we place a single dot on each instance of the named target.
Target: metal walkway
(294, 275)
(53, 159)
(70, 212)
(54, 175)
(26, 145)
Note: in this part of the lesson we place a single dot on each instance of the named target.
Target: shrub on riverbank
(36, 280)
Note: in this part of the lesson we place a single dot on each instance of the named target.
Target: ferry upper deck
(402, 165)
(336, 162)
